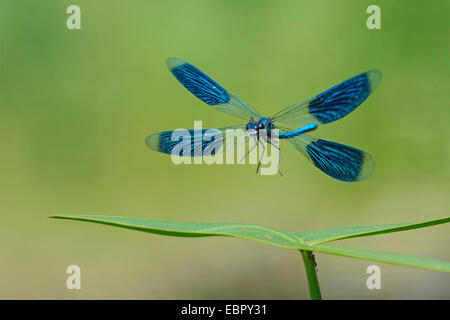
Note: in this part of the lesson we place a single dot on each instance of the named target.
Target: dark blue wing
(339, 161)
(192, 143)
(333, 104)
(209, 91)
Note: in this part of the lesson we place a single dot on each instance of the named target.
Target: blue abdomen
(294, 133)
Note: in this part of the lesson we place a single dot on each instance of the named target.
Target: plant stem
(313, 282)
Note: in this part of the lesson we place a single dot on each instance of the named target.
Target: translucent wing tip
(367, 167)
(172, 63)
(152, 141)
(374, 78)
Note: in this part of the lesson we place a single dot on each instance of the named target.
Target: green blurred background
(77, 105)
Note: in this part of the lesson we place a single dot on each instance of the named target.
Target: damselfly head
(251, 128)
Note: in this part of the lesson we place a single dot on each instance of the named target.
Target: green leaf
(326, 235)
(302, 240)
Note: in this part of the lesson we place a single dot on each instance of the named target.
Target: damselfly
(339, 161)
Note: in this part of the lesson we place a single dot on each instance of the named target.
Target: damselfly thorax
(262, 127)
